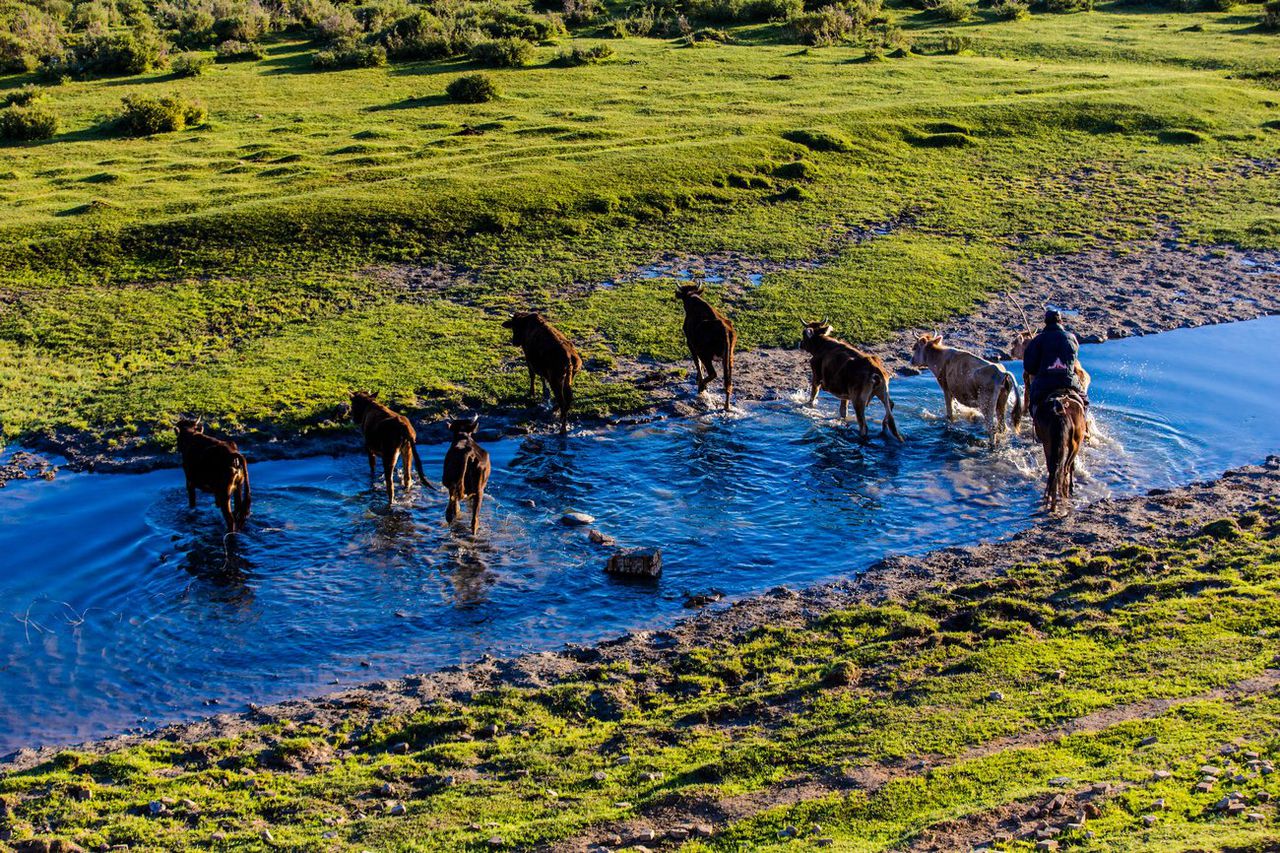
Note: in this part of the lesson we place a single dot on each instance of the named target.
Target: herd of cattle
(216, 465)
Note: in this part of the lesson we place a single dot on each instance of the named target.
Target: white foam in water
(127, 607)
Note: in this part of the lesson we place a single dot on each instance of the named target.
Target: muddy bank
(1111, 292)
(1106, 524)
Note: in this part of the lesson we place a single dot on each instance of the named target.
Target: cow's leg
(564, 393)
(860, 410)
(451, 511)
(224, 504)
(710, 374)
(844, 409)
(191, 494)
(814, 385)
(373, 463)
(950, 403)
(533, 383)
(475, 511)
(697, 369)
(388, 473)
(406, 457)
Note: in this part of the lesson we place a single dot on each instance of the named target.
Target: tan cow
(847, 374)
(971, 381)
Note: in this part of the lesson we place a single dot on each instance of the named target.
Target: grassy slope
(217, 270)
(857, 690)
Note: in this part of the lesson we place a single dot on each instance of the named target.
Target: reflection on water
(127, 607)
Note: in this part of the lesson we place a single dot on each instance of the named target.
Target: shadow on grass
(411, 104)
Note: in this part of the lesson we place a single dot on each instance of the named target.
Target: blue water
(121, 608)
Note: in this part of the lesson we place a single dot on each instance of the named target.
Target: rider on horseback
(1051, 359)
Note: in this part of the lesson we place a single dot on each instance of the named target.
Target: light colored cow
(971, 381)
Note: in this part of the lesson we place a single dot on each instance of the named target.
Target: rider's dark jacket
(1052, 357)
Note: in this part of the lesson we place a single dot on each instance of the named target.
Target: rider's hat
(1051, 315)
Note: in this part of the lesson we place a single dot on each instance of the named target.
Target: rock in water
(576, 519)
(636, 562)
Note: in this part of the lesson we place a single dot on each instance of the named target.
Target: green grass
(866, 687)
(144, 277)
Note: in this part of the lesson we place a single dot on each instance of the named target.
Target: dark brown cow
(387, 435)
(550, 356)
(466, 471)
(710, 335)
(216, 466)
(848, 374)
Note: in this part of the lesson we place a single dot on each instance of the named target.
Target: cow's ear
(697, 288)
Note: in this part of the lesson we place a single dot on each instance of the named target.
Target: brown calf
(973, 381)
(549, 356)
(216, 466)
(1018, 348)
(710, 335)
(466, 471)
(388, 435)
(848, 374)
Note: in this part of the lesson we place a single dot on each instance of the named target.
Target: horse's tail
(1059, 455)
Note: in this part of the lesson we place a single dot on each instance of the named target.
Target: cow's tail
(728, 371)
(1015, 416)
(242, 465)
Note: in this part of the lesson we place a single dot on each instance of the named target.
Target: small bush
(1012, 10)
(585, 55)
(132, 52)
(190, 64)
(233, 50)
(1065, 6)
(350, 54)
(827, 26)
(143, 116)
(472, 89)
(953, 45)
(577, 12)
(24, 97)
(819, 140)
(502, 53)
(955, 11)
(26, 123)
(1271, 15)
(15, 55)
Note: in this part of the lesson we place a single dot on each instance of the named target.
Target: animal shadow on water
(220, 570)
(466, 565)
(842, 469)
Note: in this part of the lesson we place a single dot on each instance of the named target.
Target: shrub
(1271, 15)
(827, 26)
(350, 54)
(797, 170)
(424, 35)
(503, 52)
(472, 89)
(1012, 10)
(1063, 6)
(143, 116)
(250, 24)
(24, 97)
(955, 10)
(341, 25)
(1181, 136)
(232, 50)
(25, 123)
(113, 53)
(585, 56)
(580, 11)
(15, 56)
(190, 64)
(954, 45)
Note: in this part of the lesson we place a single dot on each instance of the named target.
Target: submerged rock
(576, 519)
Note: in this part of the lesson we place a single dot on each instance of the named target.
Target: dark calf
(387, 435)
(216, 466)
(466, 471)
(848, 374)
(710, 335)
(550, 356)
